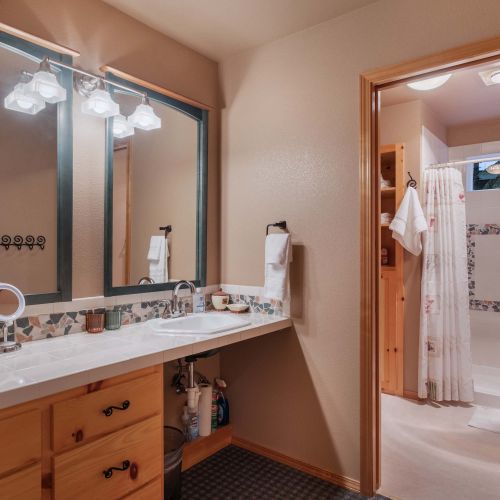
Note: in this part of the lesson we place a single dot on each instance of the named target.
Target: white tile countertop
(50, 366)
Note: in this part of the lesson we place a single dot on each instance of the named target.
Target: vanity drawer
(78, 474)
(25, 484)
(20, 440)
(79, 420)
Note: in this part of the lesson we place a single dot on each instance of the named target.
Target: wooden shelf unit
(391, 277)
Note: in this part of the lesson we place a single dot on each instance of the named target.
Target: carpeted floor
(235, 473)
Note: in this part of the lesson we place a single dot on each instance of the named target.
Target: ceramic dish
(237, 308)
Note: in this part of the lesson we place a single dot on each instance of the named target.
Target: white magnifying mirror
(12, 305)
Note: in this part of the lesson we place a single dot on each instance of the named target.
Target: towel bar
(281, 224)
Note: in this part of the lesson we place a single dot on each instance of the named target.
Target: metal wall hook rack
(281, 224)
(167, 229)
(412, 182)
(19, 242)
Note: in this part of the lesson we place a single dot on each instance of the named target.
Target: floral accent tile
(473, 230)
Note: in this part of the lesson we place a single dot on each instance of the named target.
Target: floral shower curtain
(445, 366)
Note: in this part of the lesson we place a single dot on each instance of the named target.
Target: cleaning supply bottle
(222, 403)
(215, 410)
(198, 301)
(185, 422)
(192, 405)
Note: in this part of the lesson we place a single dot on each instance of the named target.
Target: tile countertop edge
(34, 390)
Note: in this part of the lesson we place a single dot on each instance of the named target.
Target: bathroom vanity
(81, 416)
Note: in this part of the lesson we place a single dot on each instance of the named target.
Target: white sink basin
(198, 324)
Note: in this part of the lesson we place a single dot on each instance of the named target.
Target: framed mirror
(156, 192)
(36, 163)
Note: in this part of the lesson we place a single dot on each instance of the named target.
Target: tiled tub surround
(58, 319)
(57, 364)
(476, 303)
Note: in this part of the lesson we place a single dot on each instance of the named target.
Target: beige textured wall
(28, 184)
(163, 191)
(104, 35)
(290, 149)
(474, 133)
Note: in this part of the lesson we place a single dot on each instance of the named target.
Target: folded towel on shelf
(158, 259)
(278, 255)
(386, 218)
(409, 223)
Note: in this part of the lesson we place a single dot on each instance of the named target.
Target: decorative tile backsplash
(475, 230)
(37, 325)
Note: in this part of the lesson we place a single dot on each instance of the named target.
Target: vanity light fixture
(121, 127)
(44, 84)
(99, 103)
(430, 83)
(21, 100)
(144, 116)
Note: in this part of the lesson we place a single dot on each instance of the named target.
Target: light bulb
(25, 102)
(99, 103)
(45, 85)
(430, 83)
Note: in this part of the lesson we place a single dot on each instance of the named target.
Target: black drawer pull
(109, 410)
(109, 472)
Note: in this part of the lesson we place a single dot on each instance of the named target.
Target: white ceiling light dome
(44, 84)
(100, 103)
(121, 127)
(144, 116)
(24, 102)
(430, 83)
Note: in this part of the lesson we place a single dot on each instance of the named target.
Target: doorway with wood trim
(382, 294)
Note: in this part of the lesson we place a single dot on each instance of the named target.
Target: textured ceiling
(464, 98)
(221, 28)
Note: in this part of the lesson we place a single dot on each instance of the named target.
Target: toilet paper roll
(205, 409)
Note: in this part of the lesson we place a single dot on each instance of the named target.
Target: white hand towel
(409, 223)
(278, 253)
(157, 259)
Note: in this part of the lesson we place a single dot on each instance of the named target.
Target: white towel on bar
(158, 259)
(409, 223)
(278, 255)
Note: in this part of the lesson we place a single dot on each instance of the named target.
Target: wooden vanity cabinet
(60, 447)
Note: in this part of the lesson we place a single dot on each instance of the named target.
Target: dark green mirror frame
(64, 170)
(201, 117)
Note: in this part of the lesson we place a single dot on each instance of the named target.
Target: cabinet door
(391, 333)
(22, 485)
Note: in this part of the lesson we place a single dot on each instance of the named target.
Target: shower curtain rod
(462, 162)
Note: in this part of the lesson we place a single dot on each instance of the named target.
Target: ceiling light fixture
(21, 100)
(99, 103)
(44, 84)
(144, 116)
(121, 127)
(430, 83)
(495, 77)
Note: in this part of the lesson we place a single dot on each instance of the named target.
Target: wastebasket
(173, 440)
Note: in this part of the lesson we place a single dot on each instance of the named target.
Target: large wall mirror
(156, 189)
(36, 173)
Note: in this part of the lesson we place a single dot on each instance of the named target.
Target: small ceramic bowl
(220, 300)
(237, 308)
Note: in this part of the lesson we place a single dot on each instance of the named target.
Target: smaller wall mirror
(155, 194)
(35, 172)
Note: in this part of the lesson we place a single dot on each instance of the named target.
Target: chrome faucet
(174, 308)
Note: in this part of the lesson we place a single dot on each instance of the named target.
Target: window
(482, 179)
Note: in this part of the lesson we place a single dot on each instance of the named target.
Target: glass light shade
(121, 127)
(144, 118)
(495, 77)
(494, 169)
(430, 83)
(24, 102)
(45, 85)
(100, 104)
